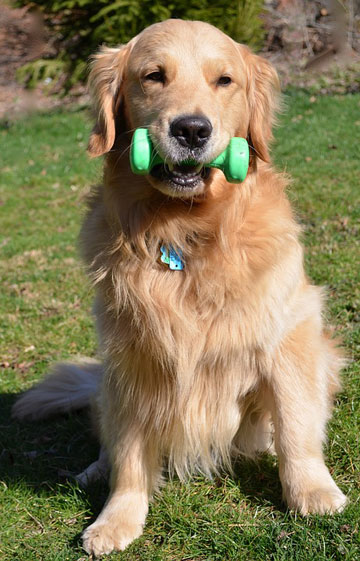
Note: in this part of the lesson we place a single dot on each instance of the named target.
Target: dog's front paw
(102, 538)
(320, 500)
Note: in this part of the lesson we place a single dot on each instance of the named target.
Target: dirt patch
(23, 38)
(315, 43)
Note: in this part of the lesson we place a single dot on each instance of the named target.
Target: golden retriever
(227, 356)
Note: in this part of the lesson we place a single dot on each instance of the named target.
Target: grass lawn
(45, 317)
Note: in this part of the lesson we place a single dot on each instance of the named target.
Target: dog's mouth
(181, 176)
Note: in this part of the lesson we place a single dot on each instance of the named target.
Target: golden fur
(228, 356)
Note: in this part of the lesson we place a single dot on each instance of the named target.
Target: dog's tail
(67, 388)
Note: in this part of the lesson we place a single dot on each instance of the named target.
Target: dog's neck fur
(139, 219)
(143, 212)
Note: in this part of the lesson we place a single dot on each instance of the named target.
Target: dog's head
(194, 88)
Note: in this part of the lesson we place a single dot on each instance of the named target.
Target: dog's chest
(212, 314)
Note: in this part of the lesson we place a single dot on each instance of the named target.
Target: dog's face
(194, 88)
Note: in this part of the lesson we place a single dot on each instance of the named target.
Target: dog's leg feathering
(303, 382)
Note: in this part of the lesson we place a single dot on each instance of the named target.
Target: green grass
(46, 303)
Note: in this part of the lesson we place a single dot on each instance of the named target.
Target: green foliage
(40, 70)
(80, 26)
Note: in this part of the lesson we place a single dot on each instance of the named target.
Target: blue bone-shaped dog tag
(165, 255)
(172, 258)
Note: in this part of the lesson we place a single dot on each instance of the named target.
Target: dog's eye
(224, 81)
(155, 77)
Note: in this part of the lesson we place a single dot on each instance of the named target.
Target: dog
(228, 356)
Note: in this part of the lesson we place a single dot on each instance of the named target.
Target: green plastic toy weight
(233, 162)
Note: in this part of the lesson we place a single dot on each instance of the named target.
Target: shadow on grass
(44, 454)
(259, 481)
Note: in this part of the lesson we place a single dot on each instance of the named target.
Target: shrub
(78, 27)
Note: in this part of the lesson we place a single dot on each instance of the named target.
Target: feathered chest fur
(226, 299)
(196, 338)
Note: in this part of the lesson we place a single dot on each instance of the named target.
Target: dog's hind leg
(256, 431)
(95, 471)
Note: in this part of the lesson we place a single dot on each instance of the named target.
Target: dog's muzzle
(191, 133)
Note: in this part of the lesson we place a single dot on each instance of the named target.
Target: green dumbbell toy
(233, 162)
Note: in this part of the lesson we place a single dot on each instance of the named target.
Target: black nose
(191, 131)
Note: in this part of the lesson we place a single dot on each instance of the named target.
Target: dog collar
(172, 257)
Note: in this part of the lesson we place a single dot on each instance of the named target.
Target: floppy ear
(263, 94)
(105, 79)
